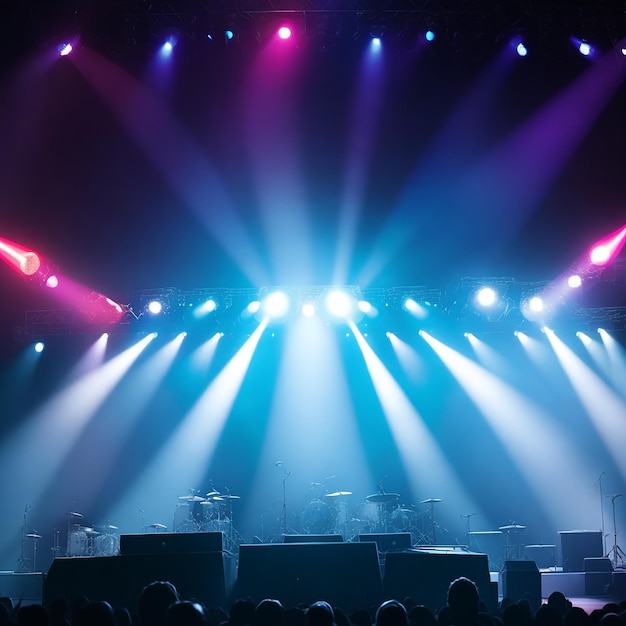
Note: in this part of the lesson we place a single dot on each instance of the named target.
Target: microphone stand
(616, 551)
(602, 514)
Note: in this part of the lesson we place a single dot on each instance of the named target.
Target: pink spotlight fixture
(284, 32)
(605, 251)
(21, 259)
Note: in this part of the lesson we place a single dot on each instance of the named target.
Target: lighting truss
(452, 307)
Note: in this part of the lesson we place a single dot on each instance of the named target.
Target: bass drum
(78, 543)
(184, 521)
(317, 518)
(107, 545)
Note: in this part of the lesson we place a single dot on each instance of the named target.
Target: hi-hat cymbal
(337, 494)
(85, 529)
(191, 498)
(431, 500)
(383, 497)
(513, 527)
(33, 536)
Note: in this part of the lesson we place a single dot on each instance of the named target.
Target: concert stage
(349, 575)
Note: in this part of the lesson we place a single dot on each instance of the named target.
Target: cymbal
(513, 527)
(227, 496)
(86, 529)
(337, 494)
(158, 526)
(191, 498)
(382, 497)
(74, 514)
(485, 532)
(33, 536)
(108, 527)
(431, 500)
(212, 493)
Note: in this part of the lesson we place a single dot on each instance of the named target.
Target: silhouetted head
(463, 600)
(391, 613)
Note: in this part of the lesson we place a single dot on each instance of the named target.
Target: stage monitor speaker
(576, 545)
(425, 576)
(120, 579)
(171, 543)
(597, 564)
(521, 580)
(312, 538)
(388, 541)
(345, 574)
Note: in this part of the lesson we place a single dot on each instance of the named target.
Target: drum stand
(616, 552)
(23, 567)
(283, 529)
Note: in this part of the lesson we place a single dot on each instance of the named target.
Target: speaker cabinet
(312, 539)
(521, 580)
(120, 579)
(388, 541)
(170, 543)
(576, 545)
(426, 576)
(345, 574)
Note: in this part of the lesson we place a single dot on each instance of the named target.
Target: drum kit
(85, 540)
(380, 513)
(212, 512)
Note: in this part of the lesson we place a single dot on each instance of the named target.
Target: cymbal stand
(616, 551)
(35, 538)
(56, 547)
(283, 513)
(23, 567)
(433, 526)
(466, 518)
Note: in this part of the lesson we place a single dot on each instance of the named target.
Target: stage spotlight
(276, 305)
(521, 49)
(584, 338)
(205, 308)
(228, 34)
(65, 49)
(339, 304)
(376, 42)
(308, 309)
(430, 35)
(574, 281)
(52, 282)
(155, 307)
(166, 49)
(253, 307)
(585, 49)
(536, 304)
(29, 263)
(486, 297)
(624, 52)
(284, 32)
(366, 308)
(604, 251)
(39, 346)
